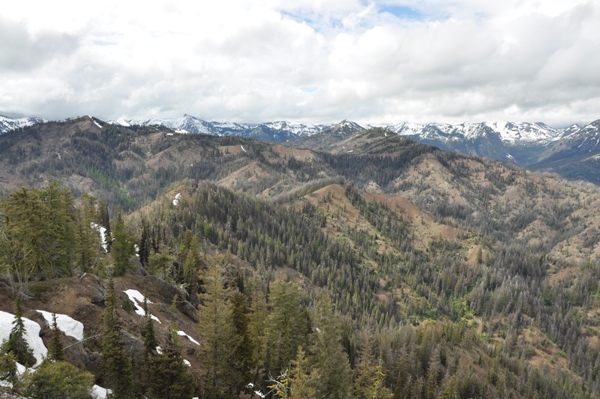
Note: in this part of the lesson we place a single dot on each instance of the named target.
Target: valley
(450, 275)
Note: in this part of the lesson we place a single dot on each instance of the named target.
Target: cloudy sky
(304, 60)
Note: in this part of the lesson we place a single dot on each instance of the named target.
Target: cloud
(20, 51)
(313, 60)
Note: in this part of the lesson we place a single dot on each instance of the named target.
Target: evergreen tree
(216, 332)
(122, 248)
(87, 237)
(144, 251)
(37, 233)
(329, 356)
(193, 265)
(150, 344)
(161, 265)
(57, 380)
(242, 361)
(8, 367)
(286, 324)
(55, 346)
(17, 344)
(303, 378)
(115, 363)
(169, 375)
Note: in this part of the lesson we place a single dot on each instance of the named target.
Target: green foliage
(37, 229)
(8, 367)
(303, 378)
(17, 344)
(286, 325)
(329, 356)
(115, 363)
(242, 359)
(55, 346)
(57, 379)
(216, 331)
(88, 243)
(169, 375)
(122, 247)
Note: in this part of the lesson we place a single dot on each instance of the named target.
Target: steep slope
(131, 165)
(489, 251)
(576, 155)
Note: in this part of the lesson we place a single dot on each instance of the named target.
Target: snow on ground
(102, 232)
(177, 198)
(100, 393)
(187, 363)
(66, 324)
(243, 149)
(183, 334)
(20, 370)
(138, 301)
(32, 335)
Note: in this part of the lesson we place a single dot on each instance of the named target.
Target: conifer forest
(396, 271)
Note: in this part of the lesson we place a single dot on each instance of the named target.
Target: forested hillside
(381, 268)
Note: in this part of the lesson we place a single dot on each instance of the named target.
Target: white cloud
(311, 60)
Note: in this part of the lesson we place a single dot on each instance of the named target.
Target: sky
(312, 61)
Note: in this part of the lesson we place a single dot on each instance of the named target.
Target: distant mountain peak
(7, 124)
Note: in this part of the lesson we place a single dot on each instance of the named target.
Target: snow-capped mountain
(580, 143)
(508, 132)
(7, 124)
(185, 124)
(270, 131)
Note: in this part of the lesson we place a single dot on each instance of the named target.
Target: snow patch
(138, 301)
(183, 334)
(177, 199)
(102, 232)
(243, 149)
(97, 124)
(66, 324)
(100, 393)
(187, 363)
(32, 335)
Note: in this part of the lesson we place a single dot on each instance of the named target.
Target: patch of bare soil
(301, 155)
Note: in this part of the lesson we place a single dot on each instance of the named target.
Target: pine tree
(87, 238)
(286, 325)
(8, 367)
(37, 233)
(192, 266)
(122, 248)
(150, 344)
(370, 376)
(303, 378)
(55, 346)
(170, 377)
(57, 380)
(17, 344)
(216, 332)
(329, 356)
(242, 361)
(115, 363)
(144, 251)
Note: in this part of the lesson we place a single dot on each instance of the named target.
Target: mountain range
(572, 151)
(483, 271)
